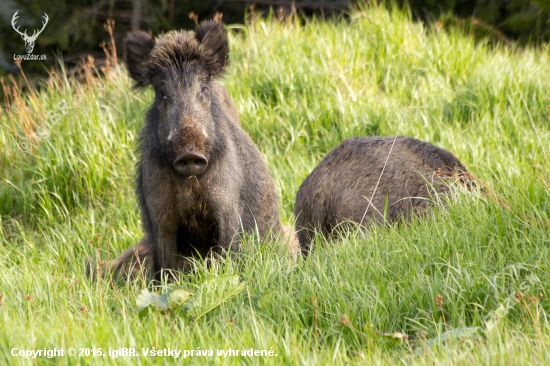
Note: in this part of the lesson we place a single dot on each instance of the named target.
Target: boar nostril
(189, 164)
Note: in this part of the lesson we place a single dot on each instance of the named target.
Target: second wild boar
(372, 180)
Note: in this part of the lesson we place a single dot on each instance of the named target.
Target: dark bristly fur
(132, 263)
(340, 187)
(186, 214)
(135, 262)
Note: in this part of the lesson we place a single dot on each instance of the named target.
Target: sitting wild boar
(372, 179)
(201, 181)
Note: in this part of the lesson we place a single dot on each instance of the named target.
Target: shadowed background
(75, 28)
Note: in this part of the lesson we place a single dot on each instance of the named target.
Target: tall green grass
(301, 88)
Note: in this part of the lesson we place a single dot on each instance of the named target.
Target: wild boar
(201, 181)
(372, 180)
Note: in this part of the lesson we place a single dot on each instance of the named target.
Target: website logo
(29, 40)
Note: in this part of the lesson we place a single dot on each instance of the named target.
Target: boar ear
(212, 35)
(137, 47)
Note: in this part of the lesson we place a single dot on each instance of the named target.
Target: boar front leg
(165, 249)
(229, 232)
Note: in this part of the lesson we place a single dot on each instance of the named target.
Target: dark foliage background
(75, 27)
(521, 21)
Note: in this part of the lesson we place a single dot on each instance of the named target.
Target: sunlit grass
(301, 88)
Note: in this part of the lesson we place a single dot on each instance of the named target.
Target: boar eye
(163, 94)
(203, 88)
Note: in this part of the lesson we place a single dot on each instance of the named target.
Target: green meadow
(468, 284)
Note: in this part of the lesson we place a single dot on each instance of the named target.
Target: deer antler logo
(29, 41)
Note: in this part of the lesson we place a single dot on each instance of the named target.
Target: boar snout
(189, 164)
